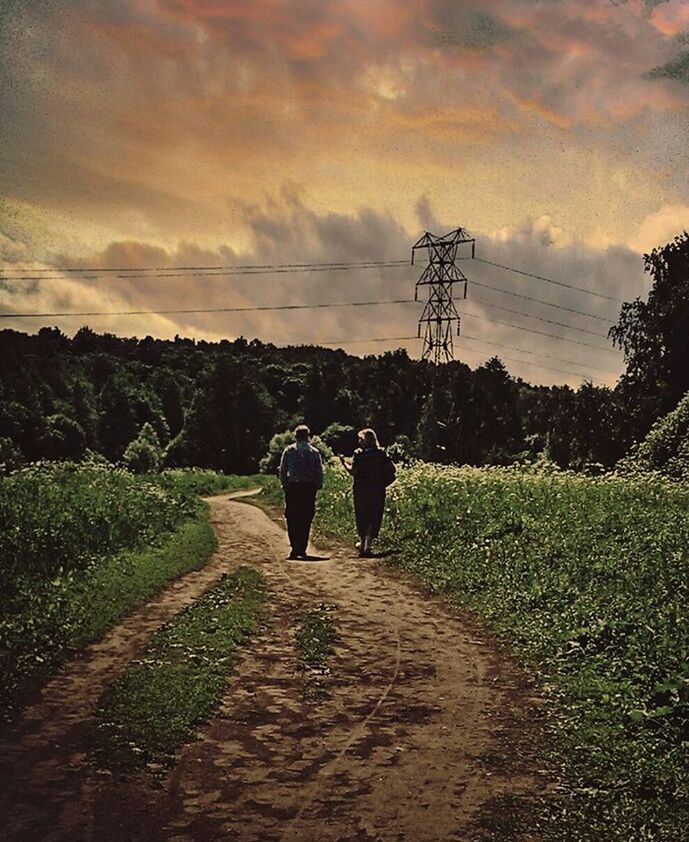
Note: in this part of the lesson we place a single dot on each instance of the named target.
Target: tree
(64, 438)
(340, 438)
(230, 421)
(654, 336)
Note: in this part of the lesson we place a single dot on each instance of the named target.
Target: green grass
(589, 581)
(150, 711)
(315, 638)
(83, 545)
(197, 481)
(43, 623)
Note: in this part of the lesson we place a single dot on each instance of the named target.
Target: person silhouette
(301, 475)
(372, 470)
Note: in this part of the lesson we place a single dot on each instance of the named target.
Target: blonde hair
(369, 436)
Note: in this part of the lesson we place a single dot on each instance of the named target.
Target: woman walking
(372, 470)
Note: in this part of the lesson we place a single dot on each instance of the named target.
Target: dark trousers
(300, 507)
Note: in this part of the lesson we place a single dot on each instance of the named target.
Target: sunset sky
(144, 133)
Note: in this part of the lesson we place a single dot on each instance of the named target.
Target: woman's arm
(348, 468)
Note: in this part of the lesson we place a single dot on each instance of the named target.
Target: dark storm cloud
(676, 69)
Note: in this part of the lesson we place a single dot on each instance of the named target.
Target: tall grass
(57, 518)
(589, 579)
(80, 546)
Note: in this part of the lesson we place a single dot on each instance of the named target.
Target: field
(584, 579)
(588, 581)
(80, 547)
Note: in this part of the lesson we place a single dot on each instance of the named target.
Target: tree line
(219, 404)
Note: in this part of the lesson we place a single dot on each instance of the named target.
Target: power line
(541, 365)
(206, 268)
(535, 353)
(550, 280)
(541, 319)
(207, 271)
(207, 309)
(539, 332)
(540, 301)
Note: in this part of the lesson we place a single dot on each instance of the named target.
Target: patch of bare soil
(429, 732)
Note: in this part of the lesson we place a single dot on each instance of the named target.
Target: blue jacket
(301, 462)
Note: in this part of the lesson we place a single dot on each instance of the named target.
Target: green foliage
(10, 456)
(315, 639)
(65, 438)
(143, 455)
(43, 621)
(271, 461)
(153, 708)
(340, 438)
(588, 579)
(666, 447)
(655, 340)
(216, 405)
(229, 423)
(59, 518)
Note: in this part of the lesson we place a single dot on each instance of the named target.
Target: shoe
(367, 553)
(358, 544)
(293, 556)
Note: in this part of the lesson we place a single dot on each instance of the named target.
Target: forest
(150, 402)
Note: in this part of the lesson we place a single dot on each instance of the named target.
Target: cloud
(461, 27)
(286, 229)
(660, 227)
(676, 69)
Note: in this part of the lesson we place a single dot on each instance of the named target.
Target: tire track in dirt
(46, 782)
(427, 727)
(416, 742)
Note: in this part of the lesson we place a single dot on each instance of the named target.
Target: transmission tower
(439, 313)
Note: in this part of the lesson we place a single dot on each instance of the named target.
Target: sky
(144, 133)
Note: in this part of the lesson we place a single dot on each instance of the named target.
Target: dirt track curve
(429, 732)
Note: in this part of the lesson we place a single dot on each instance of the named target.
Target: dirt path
(427, 734)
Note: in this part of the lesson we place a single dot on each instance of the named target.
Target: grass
(46, 622)
(150, 711)
(315, 637)
(588, 580)
(80, 547)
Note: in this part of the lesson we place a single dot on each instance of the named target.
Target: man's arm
(319, 469)
(283, 467)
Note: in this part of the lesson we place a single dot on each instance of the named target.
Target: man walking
(301, 475)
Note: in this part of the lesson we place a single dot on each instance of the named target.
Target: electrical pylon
(439, 312)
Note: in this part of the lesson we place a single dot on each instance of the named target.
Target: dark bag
(389, 472)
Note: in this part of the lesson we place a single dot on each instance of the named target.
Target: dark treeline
(218, 404)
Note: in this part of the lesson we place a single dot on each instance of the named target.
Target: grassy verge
(154, 707)
(83, 545)
(587, 578)
(43, 623)
(315, 638)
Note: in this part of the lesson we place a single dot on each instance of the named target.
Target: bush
(340, 438)
(10, 456)
(65, 438)
(666, 447)
(271, 461)
(144, 454)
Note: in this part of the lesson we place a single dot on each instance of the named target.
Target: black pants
(300, 507)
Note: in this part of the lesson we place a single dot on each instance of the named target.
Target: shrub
(144, 454)
(666, 447)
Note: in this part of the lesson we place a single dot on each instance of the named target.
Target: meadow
(588, 581)
(584, 578)
(80, 547)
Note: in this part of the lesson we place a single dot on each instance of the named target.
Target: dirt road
(430, 732)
